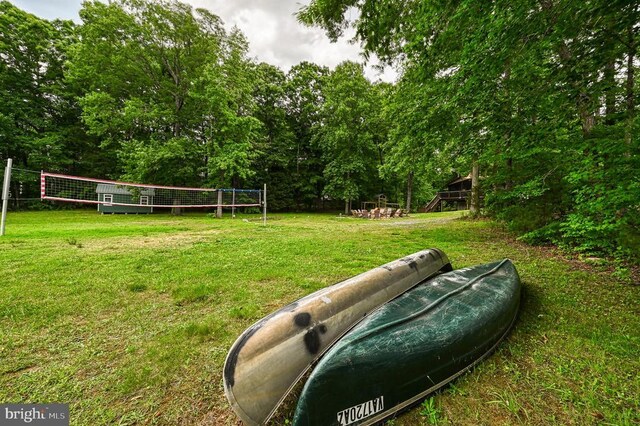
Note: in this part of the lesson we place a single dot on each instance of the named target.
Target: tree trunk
(176, 211)
(610, 96)
(508, 117)
(409, 191)
(346, 206)
(583, 100)
(177, 128)
(508, 185)
(630, 87)
(474, 208)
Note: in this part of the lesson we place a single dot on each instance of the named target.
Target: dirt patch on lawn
(172, 240)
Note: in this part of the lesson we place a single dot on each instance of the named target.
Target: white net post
(264, 206)
(233, 203)
(5, 194)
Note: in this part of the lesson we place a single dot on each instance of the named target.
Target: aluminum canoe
(269, 358)
(411, 346)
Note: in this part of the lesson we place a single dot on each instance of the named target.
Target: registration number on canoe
(361, 411)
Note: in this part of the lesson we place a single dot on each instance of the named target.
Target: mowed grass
(129, 318)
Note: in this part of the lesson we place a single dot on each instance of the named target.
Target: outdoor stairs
(433, 204)
(442, 196)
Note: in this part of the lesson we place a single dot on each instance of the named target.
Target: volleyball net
(76, 189)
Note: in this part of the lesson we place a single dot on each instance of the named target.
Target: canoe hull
(268, 359)
(412, 346)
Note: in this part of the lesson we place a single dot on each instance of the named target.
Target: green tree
(163, 85)
(233, 136)
(275, 167)
(304, 91)
(345, 134)
(39, 123)
(418, 149)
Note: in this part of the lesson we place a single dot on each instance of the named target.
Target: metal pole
(233, 203)
(264, 206)
(5, 194)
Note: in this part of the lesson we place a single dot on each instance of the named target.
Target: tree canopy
(540, 94)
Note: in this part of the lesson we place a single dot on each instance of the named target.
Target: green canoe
(412, 346)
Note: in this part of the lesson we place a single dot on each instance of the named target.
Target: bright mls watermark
(34, 414)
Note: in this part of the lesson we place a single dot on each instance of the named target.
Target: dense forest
(536, 99)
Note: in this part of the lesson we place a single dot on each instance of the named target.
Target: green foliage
(545, 235)
(276, 161)
(304, 94)
(430, 411)
(139, 63)
(412, 148)
(509, 401)
(606, 217)
(39, 117)
(149, 161)
(234, 133)
(543, 96)
(346, 133)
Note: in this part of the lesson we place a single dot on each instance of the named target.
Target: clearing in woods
(129, 318)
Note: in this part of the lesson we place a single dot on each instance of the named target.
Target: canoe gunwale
(428, 308)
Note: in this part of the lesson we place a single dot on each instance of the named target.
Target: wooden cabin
(458, 195)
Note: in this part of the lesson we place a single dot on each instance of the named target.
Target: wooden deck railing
(454, 195)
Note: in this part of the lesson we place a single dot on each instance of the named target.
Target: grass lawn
(129, 318)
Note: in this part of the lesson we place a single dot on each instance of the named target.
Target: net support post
(233, 203)
(5, 194)
(43, 185)
(219, 210)
(264, 205)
